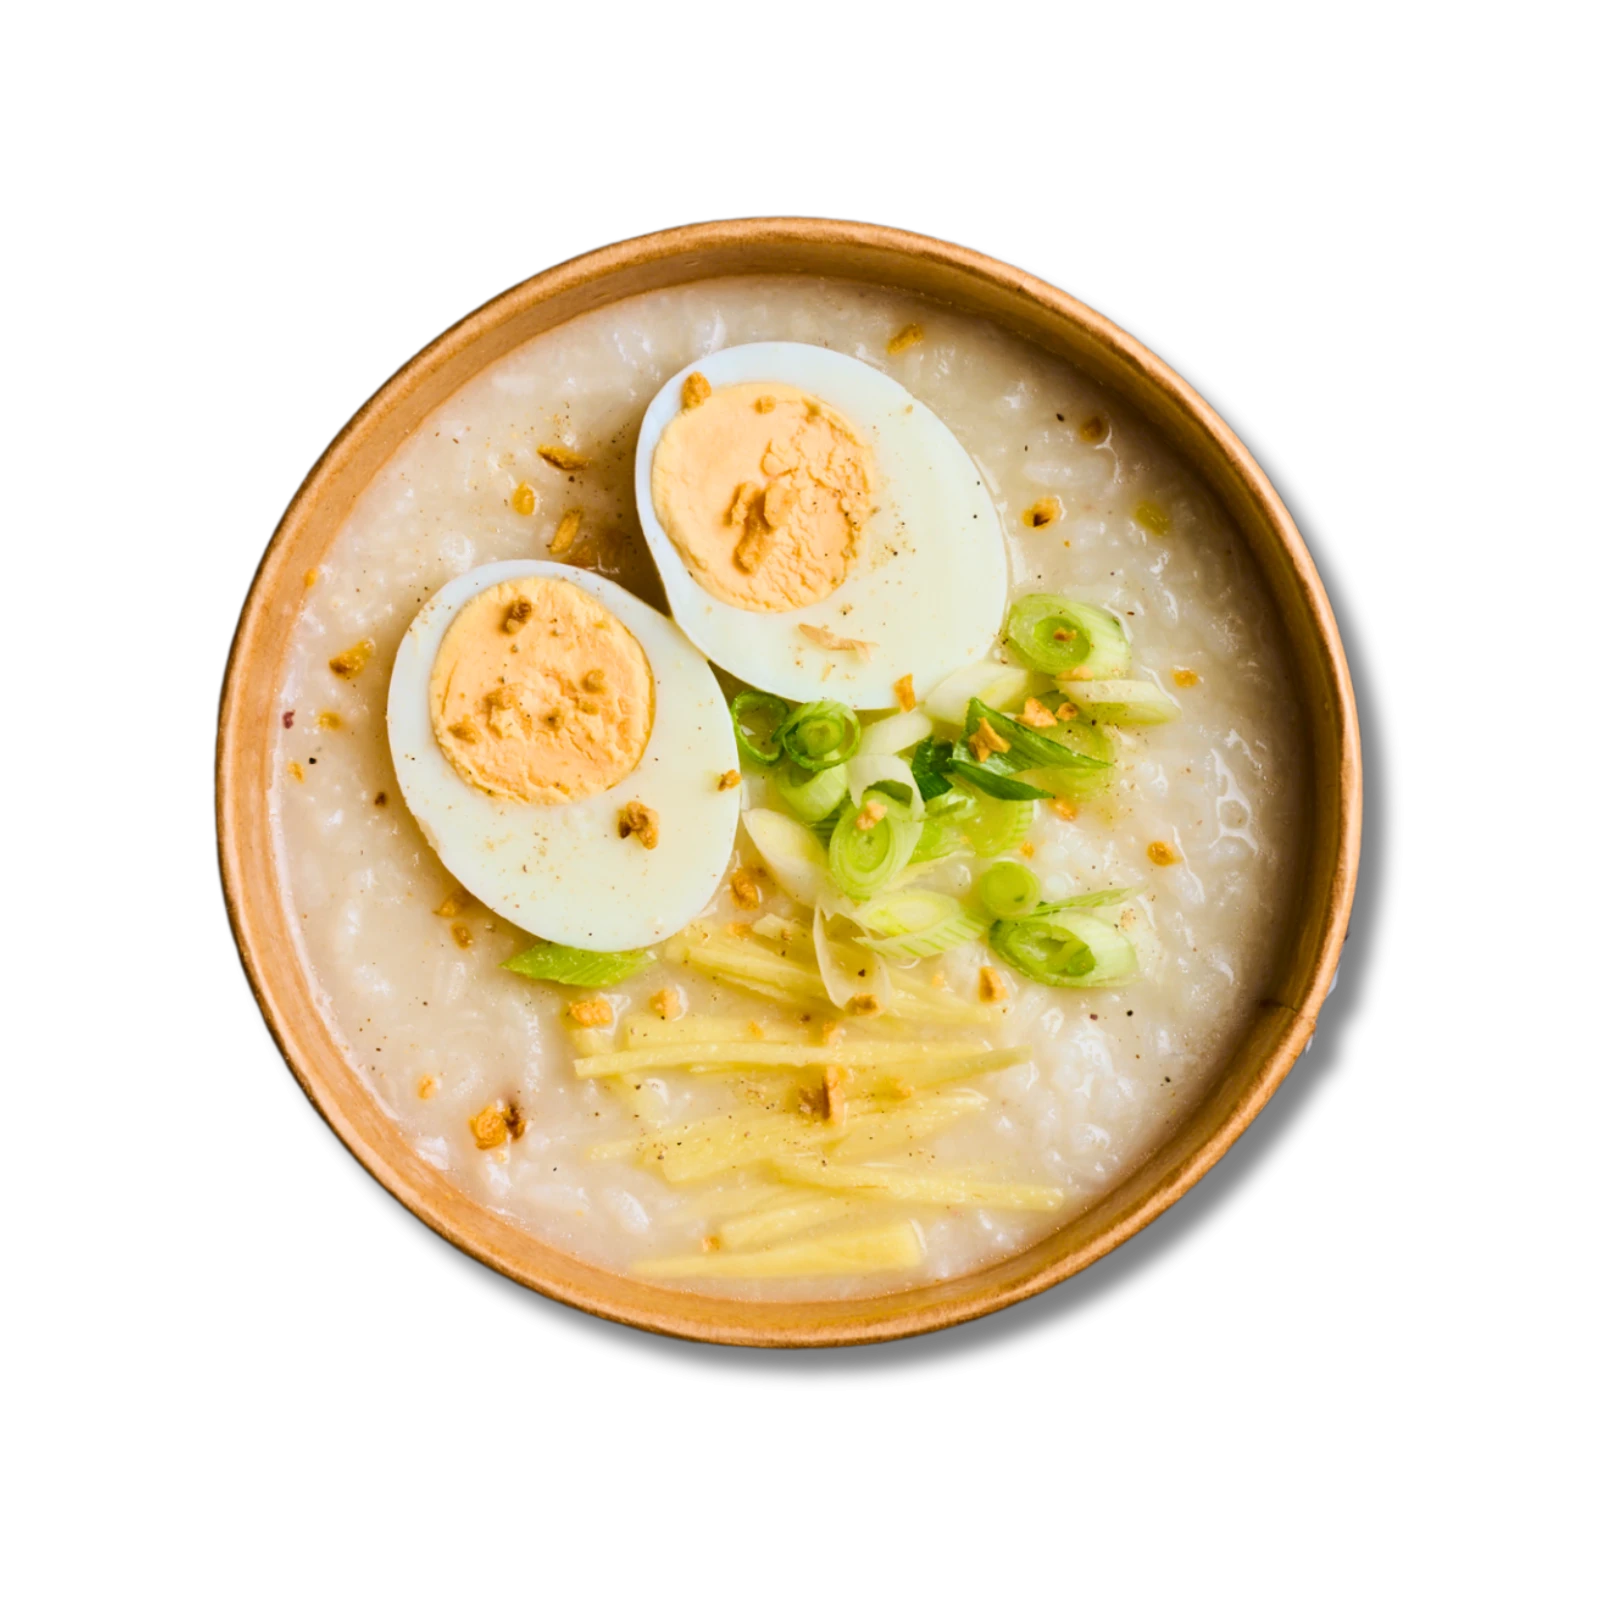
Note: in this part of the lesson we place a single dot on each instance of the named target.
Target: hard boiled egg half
(567, 753)
(820, 533)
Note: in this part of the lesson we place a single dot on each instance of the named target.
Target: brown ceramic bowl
(1281, 1023)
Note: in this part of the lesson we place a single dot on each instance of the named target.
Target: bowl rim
(721, 1319)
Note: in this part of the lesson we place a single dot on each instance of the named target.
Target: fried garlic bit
(1162, 854)
(765, 404)
(1184, 677)
(834, 642)
(907, 337)
(729, 780)
(1065, 809)
(694, 391)
(905, 694)
(1094, 429)
(327, 720)
(667, 1003)
(488, 1127)
(567, 531)
(523, 500)
(835, 1094)
(350, 662)
(517, 615)
(872, 812)
(1036, 713)
(745, 889)
(452, 904)
(494, 1126)
(562, 456)
(863, 1006)
(1046, 510)
(592, 1013)
(987, 741)
(635, 819)
(991, 985)
(1067, 711)
(427, 1086)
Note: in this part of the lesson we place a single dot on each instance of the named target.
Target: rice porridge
(925, 1110)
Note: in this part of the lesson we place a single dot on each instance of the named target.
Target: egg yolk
(539, 694)
(763, 490)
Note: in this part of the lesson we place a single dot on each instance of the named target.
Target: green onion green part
(1094, 901)
(1082, 735)
(993, 782)
(1009, 890)
(865, 860)
(1055, 633)
(813, 798)
(1123, 703)
(943, 824)
(567, 964)
(929, 765)
(756, 717)
(1028, 747)
(817, 736)
(1069, 949)
(997, 825)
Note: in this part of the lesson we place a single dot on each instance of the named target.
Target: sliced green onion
(1122, 703)
(568, 964)
(813, 798)
(1091, 902)
(793, 853)
(929, 765)
(1028, 747)
(918, 922)
(1082, 735)
(895, 732)
(865, 860)
(939, 842)
(942, 828)
(823, 829)
(886, 772)
(1009, 890)
(954, 804)
(817, 736)
(906, 911)
(1068, 949)
(993, 782)
(1081, 781)
(997, 684)
(1055, 633)
(756, 718)
(998, 825)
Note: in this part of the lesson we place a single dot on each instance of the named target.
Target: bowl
(1281, 1024)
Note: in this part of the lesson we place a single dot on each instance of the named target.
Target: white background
(1366, 1368)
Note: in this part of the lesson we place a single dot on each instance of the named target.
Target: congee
(785, 789)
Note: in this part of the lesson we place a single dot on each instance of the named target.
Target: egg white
(928, 588)
(561, 871)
